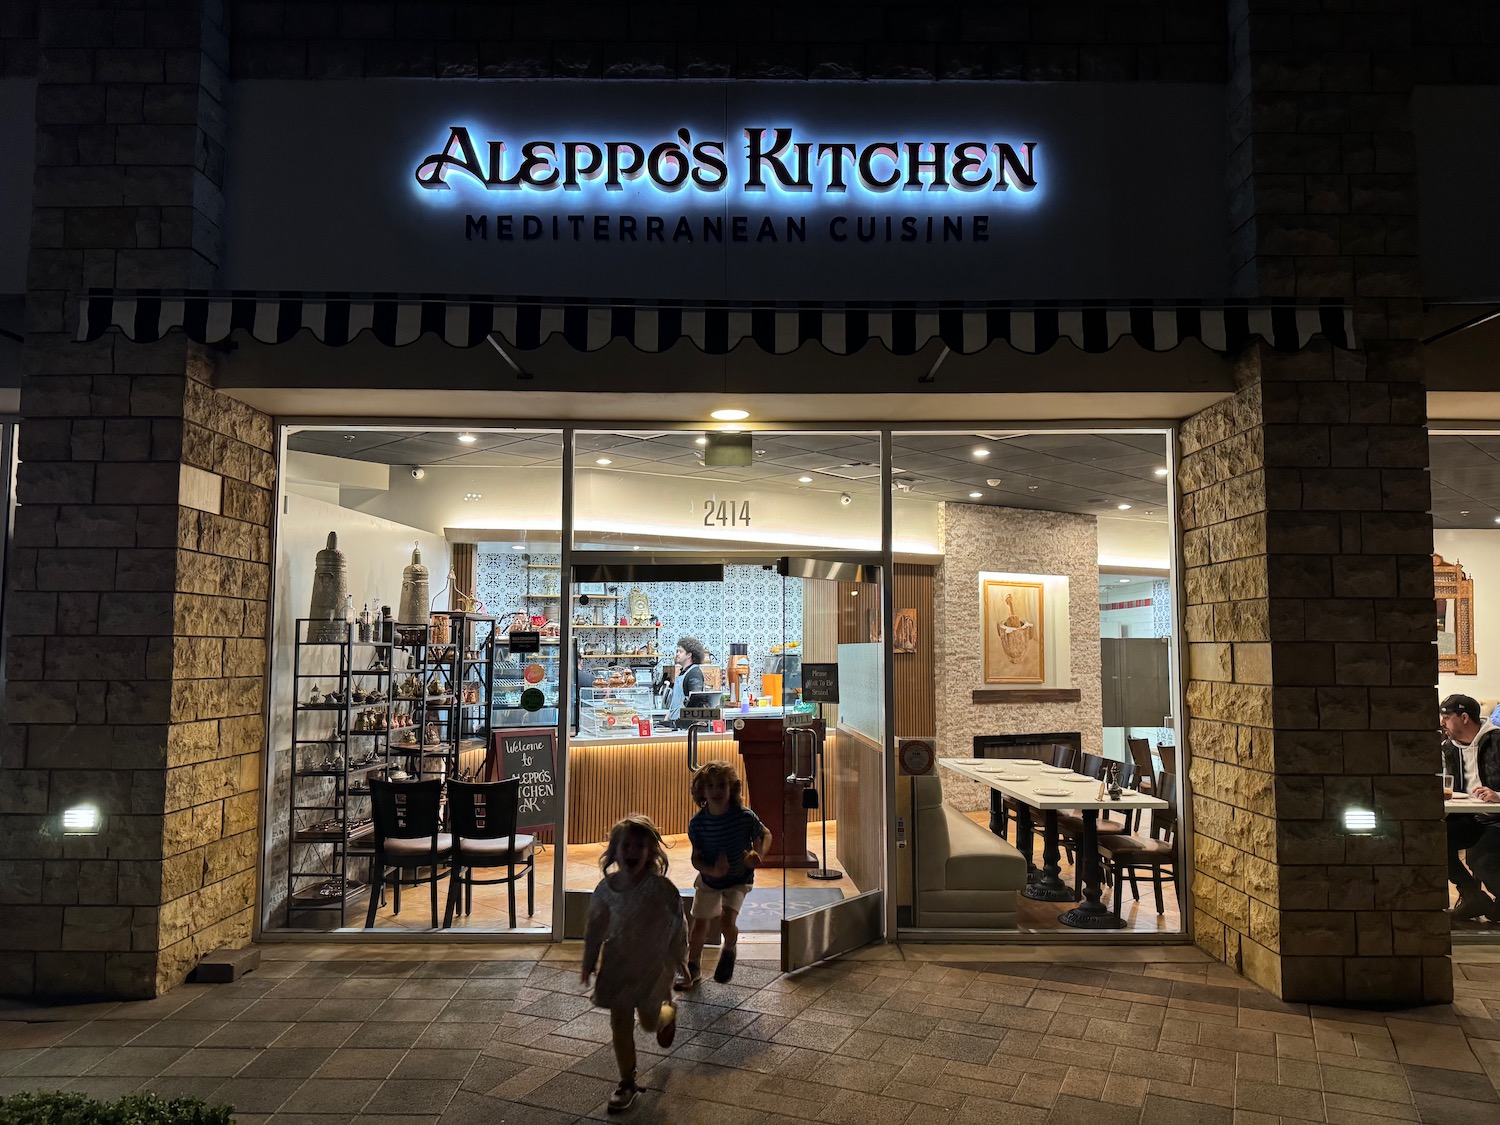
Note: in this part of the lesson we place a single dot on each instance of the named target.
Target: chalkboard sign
(531, 755)
(820, 683)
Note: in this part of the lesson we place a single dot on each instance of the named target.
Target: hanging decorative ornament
(330, 587)
(413, 612)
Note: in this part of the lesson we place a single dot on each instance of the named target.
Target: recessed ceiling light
(467, 439)
(700, 441)
(637, 547)
(1497, 519)
(760, 452)
(1123, 507)
(975, 495)
(730, 415)
(854, 593)
(1031, 488)
(808, 480)
(981, 453)
(472, 496)
(1123, 580)
(1161, 472)
(1464, 512)
(348, 437)
(603, 461)
(518, 546)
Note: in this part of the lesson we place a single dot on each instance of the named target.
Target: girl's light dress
(643, 938)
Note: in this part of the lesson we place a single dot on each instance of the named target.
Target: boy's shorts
(709, 903)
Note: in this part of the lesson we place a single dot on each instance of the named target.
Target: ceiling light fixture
(975, 495)
(518, 546)
(467, 439)
(981, 453)
(730, 415)
(1124, 580)
(808, 480)
(1464, 512)
(603, 461)
(993, 482)
(1031, 488)
(1123, 507)
(472, 496)
(700, 441)
(1161, 472)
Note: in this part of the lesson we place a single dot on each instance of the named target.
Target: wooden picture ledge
(1028, 695)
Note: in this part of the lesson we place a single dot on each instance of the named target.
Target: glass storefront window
(392, 661)
(1038, 657)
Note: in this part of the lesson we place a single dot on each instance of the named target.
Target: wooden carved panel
(1454, 591)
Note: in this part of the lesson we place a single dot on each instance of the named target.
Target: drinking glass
(1447, 786)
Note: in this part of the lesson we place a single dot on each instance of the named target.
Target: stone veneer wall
(137, 650)
(979, 538)
(1306, 538)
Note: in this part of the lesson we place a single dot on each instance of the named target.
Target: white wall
(1479, 552)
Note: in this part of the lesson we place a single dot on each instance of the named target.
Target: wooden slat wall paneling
(915, 672)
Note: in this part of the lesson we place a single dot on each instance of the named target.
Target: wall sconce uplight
(1359, 822)
(81, 820)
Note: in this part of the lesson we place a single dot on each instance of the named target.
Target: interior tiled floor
(490, 913)
(467, 1035)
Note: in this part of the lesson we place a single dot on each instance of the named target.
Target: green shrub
(58, 1108)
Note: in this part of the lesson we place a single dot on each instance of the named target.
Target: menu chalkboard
(820, 683)
(531, 755)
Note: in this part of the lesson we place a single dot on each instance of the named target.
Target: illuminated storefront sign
(646, 189)
(768, 156)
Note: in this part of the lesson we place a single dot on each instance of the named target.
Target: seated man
(1471, 753)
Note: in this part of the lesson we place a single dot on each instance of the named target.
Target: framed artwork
(1014, 637)
(906, 631)
(1454, 591)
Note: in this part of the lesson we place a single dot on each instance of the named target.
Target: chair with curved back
(483, 816)
(1145, 768)
(408, 837)
(1168, 755)
(1125, 855)
(1070, 824)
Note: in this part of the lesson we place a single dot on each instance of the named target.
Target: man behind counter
(690, 654)
(1471, 754)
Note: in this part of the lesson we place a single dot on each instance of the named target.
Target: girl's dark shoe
(623, 1097)
(693, 979)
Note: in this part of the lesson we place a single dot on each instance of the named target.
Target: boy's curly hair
(718, 770)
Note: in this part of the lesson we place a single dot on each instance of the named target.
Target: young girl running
(636, 917)
(728, 842)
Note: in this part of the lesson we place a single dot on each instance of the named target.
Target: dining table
(1463, 803)
(1041, 787)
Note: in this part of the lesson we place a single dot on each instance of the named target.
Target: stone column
(142, 562)
(1307, 541)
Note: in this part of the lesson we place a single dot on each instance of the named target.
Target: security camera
(418, 473)
(993, 482)
(845, 499)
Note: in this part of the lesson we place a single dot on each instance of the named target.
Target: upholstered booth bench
(966, 876)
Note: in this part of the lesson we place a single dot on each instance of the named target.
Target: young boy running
(728, 841)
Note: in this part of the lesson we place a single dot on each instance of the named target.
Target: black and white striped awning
(713, 327)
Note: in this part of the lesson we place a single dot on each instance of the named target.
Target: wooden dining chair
(408, 839)
(1124, 856)
(1145, 768)
(483, 816)
(1063, 756)
(1070, 824)
(1168, 756)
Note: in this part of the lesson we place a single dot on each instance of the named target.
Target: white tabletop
(1467, 804)
(1077, 791)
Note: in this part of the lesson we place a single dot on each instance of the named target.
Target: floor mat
(761, 913)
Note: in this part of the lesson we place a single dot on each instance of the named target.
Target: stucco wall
(977, 538)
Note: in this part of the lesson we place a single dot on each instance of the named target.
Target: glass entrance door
(825, 683)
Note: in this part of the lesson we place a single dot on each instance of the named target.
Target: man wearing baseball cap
(1471, 753)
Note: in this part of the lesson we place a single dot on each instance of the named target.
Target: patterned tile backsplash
(753, 605)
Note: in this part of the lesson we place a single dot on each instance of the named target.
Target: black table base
(1043, 885)
(1091, 913)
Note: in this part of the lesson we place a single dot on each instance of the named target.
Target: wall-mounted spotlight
(417, 472)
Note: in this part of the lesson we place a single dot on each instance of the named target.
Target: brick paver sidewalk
(469, 1035)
